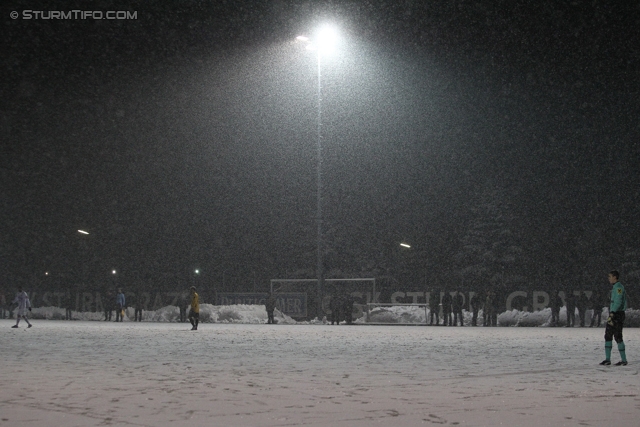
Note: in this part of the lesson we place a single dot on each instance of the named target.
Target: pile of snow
(209, 313)
(242, 313)
(239, 313)
(396, 314)
(416, 315)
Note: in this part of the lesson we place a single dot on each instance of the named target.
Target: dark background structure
(499, 138)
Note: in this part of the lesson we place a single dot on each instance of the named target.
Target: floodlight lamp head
(326, 38)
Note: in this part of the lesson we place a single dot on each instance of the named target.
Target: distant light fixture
(197, 271)
(302, 38)
(113, 272)
(405, 245)
(46, 273)
(83, 232)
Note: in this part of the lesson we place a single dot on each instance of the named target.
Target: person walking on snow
(22, 299)
(194, 313)
(615, 322)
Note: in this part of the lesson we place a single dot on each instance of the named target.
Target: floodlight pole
(320, 260)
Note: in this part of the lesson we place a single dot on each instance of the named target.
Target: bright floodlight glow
(405, 245)
(197, 271)
(326, 38)
(113, 272)
(83, 232)
(323, 41)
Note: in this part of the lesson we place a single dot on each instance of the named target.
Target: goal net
(360, 290)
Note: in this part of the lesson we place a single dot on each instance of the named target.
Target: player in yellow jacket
(194, 313)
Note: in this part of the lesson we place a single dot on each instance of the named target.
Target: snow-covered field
(90, 373)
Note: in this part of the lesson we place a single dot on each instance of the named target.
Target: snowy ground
(90, 373)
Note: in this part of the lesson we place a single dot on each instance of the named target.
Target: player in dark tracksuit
(183, 302)
(490, 309)
(347, 308)
(615, 322)
(137, 306)
(108, 306)
(457, 303)
(570, 300)
(270, 306)
(67, 301)
(446, 308)
(475, 303)
(434, 306)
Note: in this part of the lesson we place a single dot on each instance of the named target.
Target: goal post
(363, 291)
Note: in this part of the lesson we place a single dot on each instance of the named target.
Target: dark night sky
(501, 134)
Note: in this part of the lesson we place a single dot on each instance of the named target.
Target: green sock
(623, 355)
(607, 349)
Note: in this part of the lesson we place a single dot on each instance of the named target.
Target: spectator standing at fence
(581, 305)
(108, 306)
(183, 303)
(434, 306)
(554, 303)
(615, 322)
(194, 312)
(475, 303)
(335, 305)
(490, 309)
(67, 302)
(3, 305)
(22, 300)
(137, 305)
(347, 308)
(446, 308)
(570, 301)
(10, 308)
(120, 305)
(457, 303)
(270, 306)
(598, 301)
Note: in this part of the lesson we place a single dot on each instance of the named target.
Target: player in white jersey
(22, 299)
